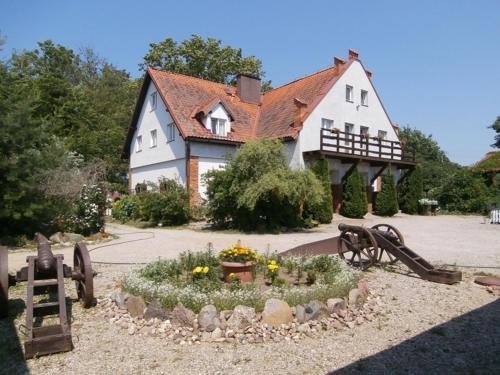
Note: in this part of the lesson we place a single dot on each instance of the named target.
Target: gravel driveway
(426, 327)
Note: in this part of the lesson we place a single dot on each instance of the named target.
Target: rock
(363, 287)
(57, 237)
(216, 334)
(131, 329)
(304, 328)
(335, 305)
(119, 298)
(300, 313)
(277, 312)
(206, 336)
(155, 311)
(135, 306)
(72, 237)
(315, 310)
(337, 325)
(207, 318)
(356, 297)
(183, 316)
(241, 317)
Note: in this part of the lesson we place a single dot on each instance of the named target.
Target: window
(219, 126)
(348, 93)
(138, 144)
(326, 124)
(363, 130)
(349, 129)
(364, 97)
(382, 134)
(154, 99)
(170, 132)
(154, 138)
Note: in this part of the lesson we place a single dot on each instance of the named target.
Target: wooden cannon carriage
(363, 247)
(45, 274)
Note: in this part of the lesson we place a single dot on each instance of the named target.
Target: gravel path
(426, 327)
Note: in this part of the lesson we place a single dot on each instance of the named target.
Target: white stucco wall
(205, 165)
(173, 169)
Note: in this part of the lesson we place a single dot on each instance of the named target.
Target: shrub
(88, 217)
(126, 208)
(387, 198)
(411, 191)
(354, 201)
(323, 211)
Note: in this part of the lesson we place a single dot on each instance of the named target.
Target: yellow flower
(205, 269)
(197, 269)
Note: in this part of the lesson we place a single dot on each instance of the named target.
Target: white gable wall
(167, 159)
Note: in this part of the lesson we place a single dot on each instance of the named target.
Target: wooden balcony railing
(357, 145)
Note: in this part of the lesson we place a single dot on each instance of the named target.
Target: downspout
(188, 172)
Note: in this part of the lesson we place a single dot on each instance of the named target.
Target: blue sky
(436, 64)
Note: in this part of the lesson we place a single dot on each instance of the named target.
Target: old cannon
(363, 247)
(45, 274)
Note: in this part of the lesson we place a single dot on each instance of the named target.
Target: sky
(435, 64)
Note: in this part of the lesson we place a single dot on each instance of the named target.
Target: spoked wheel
(4, 283)
(83, 275)
(359, 249)
(395, 237)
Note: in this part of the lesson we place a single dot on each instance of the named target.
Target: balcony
(355, 147)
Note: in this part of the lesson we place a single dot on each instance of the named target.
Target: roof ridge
(187, 75)
(299, 79)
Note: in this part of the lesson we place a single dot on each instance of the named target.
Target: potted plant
(427, 206)
(238, 261)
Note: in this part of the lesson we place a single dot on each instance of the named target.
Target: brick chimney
(338, 62)
(300, 107)
(248, 88)
(369, 73)
(353, 55)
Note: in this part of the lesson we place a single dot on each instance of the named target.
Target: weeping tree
(354, 201)
(412, 189)
(387, 198)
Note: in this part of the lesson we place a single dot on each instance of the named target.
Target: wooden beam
(379, 172)
(349, 171)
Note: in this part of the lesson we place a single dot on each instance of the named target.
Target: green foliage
(88, 217)
(411, 191)
(354, 200)
(257, 190)
(387, 199)
(126, 208)
(323, 211)
(203, 58)
(496, 127)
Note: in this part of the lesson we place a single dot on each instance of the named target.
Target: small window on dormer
(364, 97)
(219, 126)
(154, 99)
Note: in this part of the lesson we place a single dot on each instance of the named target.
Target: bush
(411, 191)
(354, 201)
(323, 211)
(387, 198)
(88, 217)
(257, 190)
(127, 208)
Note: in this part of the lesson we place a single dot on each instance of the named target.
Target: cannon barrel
(46, 262)
(352, 228)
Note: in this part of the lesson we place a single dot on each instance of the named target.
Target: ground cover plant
(195, 280)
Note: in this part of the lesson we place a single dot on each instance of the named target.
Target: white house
(184, 126)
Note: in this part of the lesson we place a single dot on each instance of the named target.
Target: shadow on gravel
(468, 344)
(11, 354)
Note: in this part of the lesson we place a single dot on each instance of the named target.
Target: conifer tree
(324, 211)
(387, 199)
(354, 201)
(411, 191)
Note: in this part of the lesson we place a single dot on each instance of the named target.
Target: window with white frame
(153, 139)
(382, 134)
(364, 97)
(348, 93)
(154, 99)
(326, 123)
(219, 126)
(349, 130)
(138, 144)
(170, 132)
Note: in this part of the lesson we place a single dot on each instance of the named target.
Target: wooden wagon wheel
(83, 275)
(395, 237)
(359, 249)
(4, 282)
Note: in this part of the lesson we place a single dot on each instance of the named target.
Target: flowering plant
(272, 270)
(200, 272)
(239, 254)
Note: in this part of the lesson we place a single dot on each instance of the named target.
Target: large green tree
(496, 127)
(203, 58)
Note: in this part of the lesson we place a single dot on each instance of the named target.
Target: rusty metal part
(83, 275)
(4, 282)
(357, 246)
(397, 238)
(326, 246)
(488, 281)
(46, 263)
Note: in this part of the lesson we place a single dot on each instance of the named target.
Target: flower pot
(244, 271)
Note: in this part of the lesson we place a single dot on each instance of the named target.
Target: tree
(411, 191)
(203, 58)
(387, 199)
(354, 200)
(496, 127)
(323, 212)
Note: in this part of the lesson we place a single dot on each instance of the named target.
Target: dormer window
(154, 99)
(219, 126)
(364, 97)
(348, 93)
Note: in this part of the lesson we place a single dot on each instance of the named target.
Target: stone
(131, 329)
(216, 334)
(241, 317)
(363, 287)
(356, 297)
(119, 298)
(335, 305)
(72, 237)
(155, 311)
(276, 312)
(300, 313)
(183, 316)
(135, 306)
(337, 325)
(206, 336)
(57, 237)
(315, 310)
(207, 318)
(304, 328)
